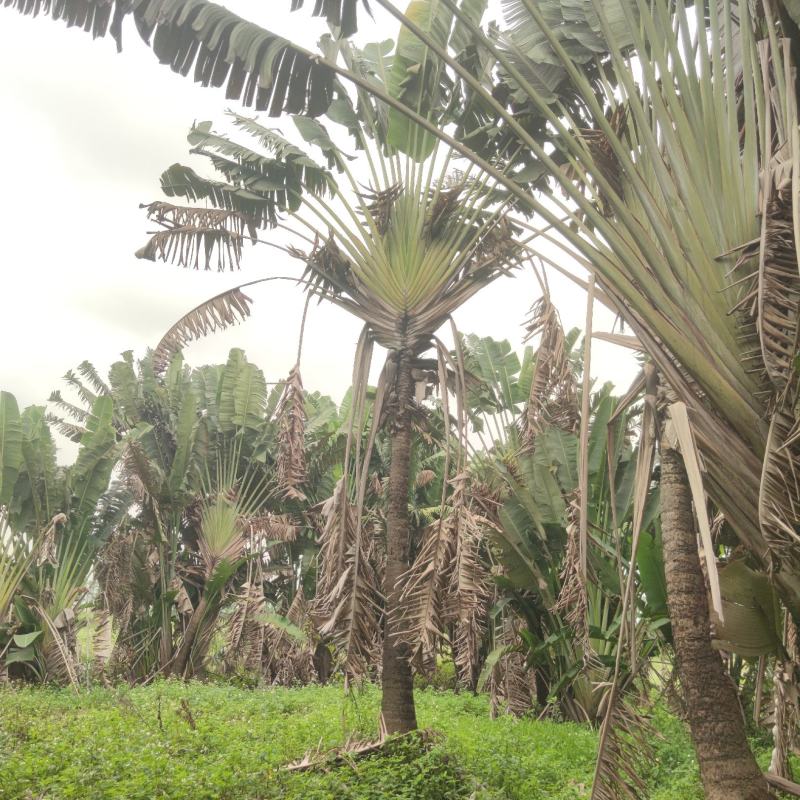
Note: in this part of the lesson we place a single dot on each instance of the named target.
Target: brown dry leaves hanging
(512, 686)
(59, 646)
(469, 591)
(48, 548)
(245, 631)
(191, 236)
(291, 416)
(273, 527)
(378, 206)
(288, 659)
(116, 571)
(770, 294)
(102, 641)
(447, 585)
(328, 270)
(603, 157)
(421, 623)
(776, 309)
(626, 746)
(553, 398)
(192, 246)
(572, 600)
(786, 702)
(348, 604)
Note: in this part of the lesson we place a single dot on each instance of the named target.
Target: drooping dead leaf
(218, 313)
(291, 416)
(553, 394)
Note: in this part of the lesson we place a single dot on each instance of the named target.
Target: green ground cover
(204, 742)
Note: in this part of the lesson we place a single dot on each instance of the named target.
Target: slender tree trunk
(397, 706)
(165, 651)
(727, 767)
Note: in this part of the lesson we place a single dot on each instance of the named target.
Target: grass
(173, 741)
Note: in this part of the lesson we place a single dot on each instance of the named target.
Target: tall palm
(401, 256)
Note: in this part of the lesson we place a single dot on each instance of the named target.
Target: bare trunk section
(397, 705)
(727, 767)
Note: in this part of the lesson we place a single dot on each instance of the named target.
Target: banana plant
(185, 433)
(535, 464)
(50, 521)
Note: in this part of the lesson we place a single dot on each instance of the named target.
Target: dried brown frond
(376, 486)
(378, 205)
(288, 661)
(770, 294)
(291, 416)
(194, 246)
(553, 398)
(625, 746)
(447, 585)
(348, 604)
(115, 569)
(136, 463)
(779, 291)
(469, 589)
(172, 216)
(424, 477)
(420, 613)
(572, 600)
(245, 632)
(442, 210)
(298, 613)
(786, 702)
(191, 235)
(496, 247)
(324, 760)
(220, 312)
(272, 527)
(182, 600)
(604, 161)
(47, 552)
(102, 641)
(328, 270)
(779, 498)
(59, 646)
(512, 686)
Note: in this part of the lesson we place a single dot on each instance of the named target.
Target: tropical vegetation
(566, 549)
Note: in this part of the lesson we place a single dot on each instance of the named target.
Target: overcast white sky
(85, 135)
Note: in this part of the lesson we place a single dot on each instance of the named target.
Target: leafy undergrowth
(204, 742)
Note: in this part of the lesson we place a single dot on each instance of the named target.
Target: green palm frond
(287, 167)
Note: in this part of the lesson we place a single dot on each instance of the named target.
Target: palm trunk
(397, 706)
(727, 767)
(189, 636)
